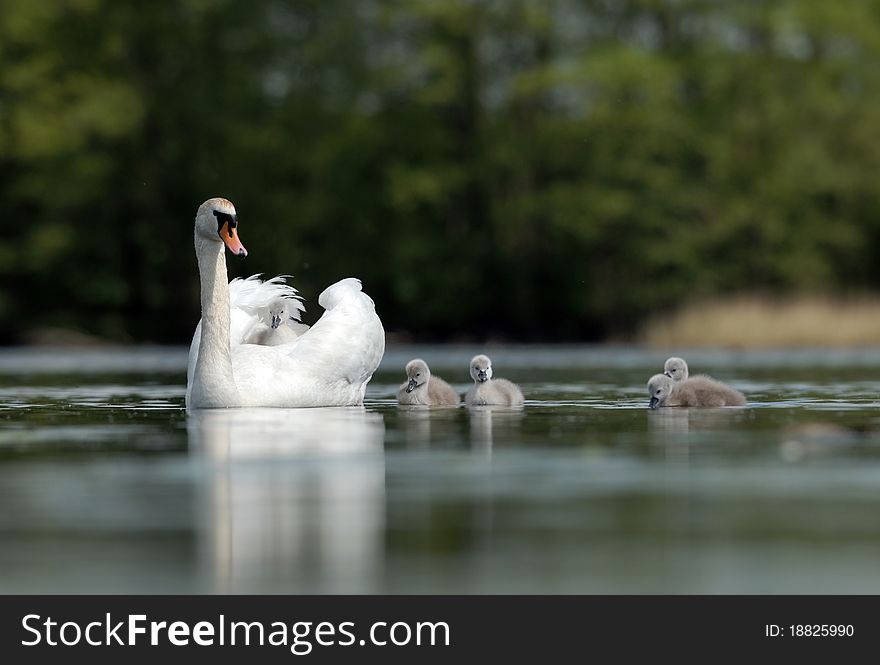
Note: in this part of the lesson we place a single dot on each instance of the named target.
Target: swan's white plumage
(329, 364)
(254, 297)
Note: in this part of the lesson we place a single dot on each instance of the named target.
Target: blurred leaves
(534, 170)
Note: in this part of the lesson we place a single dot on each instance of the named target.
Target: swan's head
(659, 387)
(216, 221)
(481, 368)
(417, 373)
(676, 369)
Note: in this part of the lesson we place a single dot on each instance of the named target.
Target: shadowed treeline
(530, 170)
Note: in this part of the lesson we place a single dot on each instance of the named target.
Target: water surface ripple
(109, 485)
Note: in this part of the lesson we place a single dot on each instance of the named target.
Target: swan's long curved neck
(213, 382)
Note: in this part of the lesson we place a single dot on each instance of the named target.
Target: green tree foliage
(534, 170)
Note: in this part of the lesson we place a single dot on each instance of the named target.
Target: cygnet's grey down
(488, 391)
(423, 389)
(277, 324)
(676, 369)
(697, 391)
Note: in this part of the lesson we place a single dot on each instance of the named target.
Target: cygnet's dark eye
(418, 374)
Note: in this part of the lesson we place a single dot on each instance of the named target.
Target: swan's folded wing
(348, 341)
(336, 293)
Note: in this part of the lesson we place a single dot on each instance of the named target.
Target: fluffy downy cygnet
(676, 369)
(423, 389)
(698, 391)
(488, 391)
(277, 325)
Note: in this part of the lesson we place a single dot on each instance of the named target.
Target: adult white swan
(330, 364)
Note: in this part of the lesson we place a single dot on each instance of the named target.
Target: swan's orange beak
(230, 238)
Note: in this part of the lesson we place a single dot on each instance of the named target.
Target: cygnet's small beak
(481, 376)
(667, 374)
(654, 403)
(276, 321)
(229, 236)
(411, 385)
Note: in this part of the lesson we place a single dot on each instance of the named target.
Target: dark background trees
(530, 170)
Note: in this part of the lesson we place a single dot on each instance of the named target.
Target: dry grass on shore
(759, 321)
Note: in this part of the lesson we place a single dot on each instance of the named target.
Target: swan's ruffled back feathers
(254, 296)
(250, 301)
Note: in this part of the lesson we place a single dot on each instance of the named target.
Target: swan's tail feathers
(255, 296)
(333, 294)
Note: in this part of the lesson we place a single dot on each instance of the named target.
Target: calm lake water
(108, 485)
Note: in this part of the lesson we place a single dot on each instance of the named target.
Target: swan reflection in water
(292, 500)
